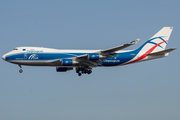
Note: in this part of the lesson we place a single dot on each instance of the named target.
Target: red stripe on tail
(148, 52)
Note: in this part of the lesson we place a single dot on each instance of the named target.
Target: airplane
(85, 60)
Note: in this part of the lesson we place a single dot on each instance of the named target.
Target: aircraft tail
(154, 47)
(158, 42)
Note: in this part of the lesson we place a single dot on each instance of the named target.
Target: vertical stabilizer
(158, 42)
(155, 44)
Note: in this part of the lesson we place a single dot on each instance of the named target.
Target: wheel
(20, 70)
(79, 74)
(77, 71)
(89, 72)
(86, 71)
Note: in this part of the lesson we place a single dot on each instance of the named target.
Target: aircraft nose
(4, 57)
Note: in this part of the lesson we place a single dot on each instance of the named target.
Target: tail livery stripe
(155, 44)
(150, 41)
(148, 52)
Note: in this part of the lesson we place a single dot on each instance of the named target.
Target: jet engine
(63, 69)
(68, 62)
(95, 56)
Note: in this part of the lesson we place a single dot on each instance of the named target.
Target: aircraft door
(25, 56)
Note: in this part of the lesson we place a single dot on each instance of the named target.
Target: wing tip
(135, 41)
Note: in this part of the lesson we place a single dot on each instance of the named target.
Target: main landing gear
(81, 71)
(20, 70)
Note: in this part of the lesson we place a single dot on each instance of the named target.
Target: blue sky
(147, 90)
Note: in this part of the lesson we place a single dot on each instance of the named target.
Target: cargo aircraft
(84, 60)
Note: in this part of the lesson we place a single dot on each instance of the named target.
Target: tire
(20, 70)
(79, 74)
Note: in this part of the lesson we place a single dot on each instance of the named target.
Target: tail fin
(158, 42)
(154, 47)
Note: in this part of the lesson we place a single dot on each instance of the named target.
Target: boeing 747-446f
(85, 60)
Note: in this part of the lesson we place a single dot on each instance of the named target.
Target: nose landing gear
(20, 70)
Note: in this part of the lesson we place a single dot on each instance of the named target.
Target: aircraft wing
(120, 47)
(90, 63)
(84, 59)
(93, 59)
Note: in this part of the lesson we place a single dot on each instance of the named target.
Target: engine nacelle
(68, 62)
(63, 69)
(93, 56)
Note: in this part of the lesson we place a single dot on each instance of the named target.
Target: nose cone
(4, 57)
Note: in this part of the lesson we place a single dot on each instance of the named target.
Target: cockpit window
(15, 49)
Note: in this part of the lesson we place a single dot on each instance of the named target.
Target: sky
(147, 90)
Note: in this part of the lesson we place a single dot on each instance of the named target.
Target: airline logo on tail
(156, 43)
(152, 42)
(159, 41)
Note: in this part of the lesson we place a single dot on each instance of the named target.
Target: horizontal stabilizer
(161, 52)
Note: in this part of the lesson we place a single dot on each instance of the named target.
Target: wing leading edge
(114, 49)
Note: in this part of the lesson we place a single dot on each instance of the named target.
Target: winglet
(135, 41)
